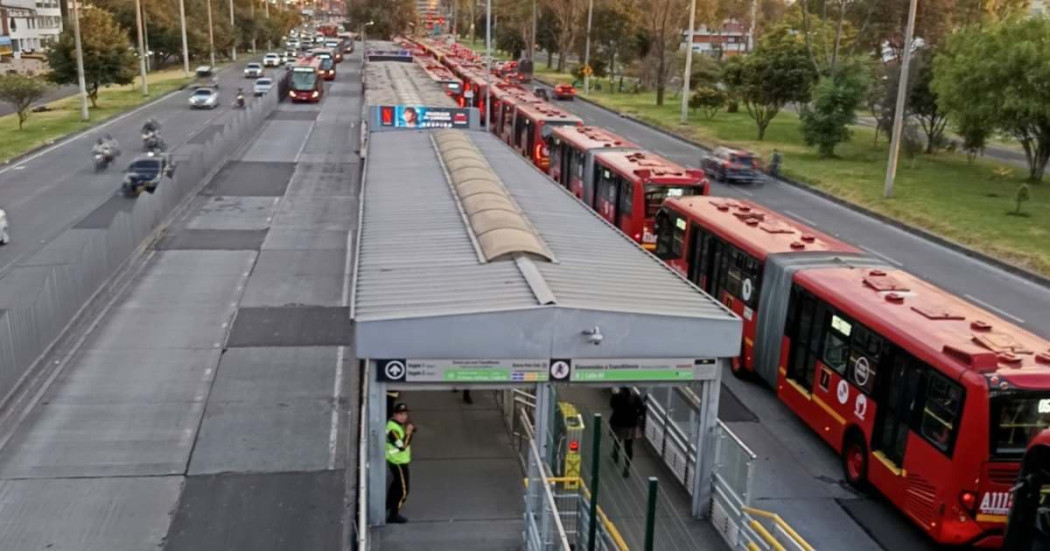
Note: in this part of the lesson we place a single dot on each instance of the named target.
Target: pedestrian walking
(399, 433)
(627, 422)
(774, 163)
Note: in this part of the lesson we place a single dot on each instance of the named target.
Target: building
(731, 39)
(30, 24)
(1038, 7)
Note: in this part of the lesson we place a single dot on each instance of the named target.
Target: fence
(41, 295)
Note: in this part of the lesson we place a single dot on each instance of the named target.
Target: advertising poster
(415, 116)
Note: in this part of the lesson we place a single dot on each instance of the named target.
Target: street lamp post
(253, 26)
(142, 49)
(532, 37)
(488, 63)
(688, 62)
(233, 31)
(80, 62)
(185, 42)
(587, 51)
(902, 94)
(269, 43)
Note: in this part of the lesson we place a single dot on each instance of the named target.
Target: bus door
(607, 197)
(701, 260)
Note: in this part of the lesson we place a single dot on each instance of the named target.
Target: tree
(880, 99)
(108, 57)
(389, 17)
(974, 132)
(778, 72)
(662, 21)
(21, 91)
(825, 124)
(922, 101)
(709, 100)
(568, 14)
(999, 73)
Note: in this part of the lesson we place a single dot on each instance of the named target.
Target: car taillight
(968, 501)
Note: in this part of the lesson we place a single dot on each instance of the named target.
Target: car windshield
(1016, 418)
(145, 167)
(263, 82)
(327, 64)
(203, 92)
(742, 159)
(655, 196)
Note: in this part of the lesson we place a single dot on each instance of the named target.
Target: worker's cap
(401, 408)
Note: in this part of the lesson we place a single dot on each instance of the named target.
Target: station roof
(423, 290)
(934, 325)
(756, 229)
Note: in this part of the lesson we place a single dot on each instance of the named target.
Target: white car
(5, 236)
(204, 98)
(253, 70)
(262, 86)
(293, 43)
(272, 59)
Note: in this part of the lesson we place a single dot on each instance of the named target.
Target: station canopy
(559, 282)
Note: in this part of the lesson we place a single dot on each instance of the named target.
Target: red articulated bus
(630, 186)
(572, 156)
(534, 122)
(328, 29)
(443, 77)
(927, 398)
(722, 245)
(505, 100)
(306, 80)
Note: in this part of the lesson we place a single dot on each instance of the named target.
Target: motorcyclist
(101, 148)
(150, 126)
(113, 145)
(240, 97)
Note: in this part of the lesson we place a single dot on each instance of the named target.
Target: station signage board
(624, 370)
(403, 370)
(418, 116)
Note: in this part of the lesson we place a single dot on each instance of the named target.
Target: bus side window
(939, 420)
(626, 197)
(836, 345)
(578, 159)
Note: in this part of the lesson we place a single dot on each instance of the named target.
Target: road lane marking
(333, 432)
(999, 311)
(802, 218)
(744, 191)
(887, 258)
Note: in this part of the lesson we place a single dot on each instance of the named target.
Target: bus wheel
(855, 461)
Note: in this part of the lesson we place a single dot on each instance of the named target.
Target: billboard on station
(388, 117)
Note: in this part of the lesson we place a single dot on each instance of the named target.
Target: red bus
(722, 245)
(534, 122)
(328, 29)
(443, 77)
(572, 156)
(630, 185)
(926, 397)
(505, 100)
(306, 80)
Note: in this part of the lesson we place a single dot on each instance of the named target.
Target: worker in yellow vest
(398, 455)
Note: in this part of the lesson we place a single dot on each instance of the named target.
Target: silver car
(204, 98)
(253, 70)
(262, 86)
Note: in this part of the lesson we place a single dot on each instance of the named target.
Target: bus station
(475, 273)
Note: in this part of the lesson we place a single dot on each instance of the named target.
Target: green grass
(943, 193)
(64, 119)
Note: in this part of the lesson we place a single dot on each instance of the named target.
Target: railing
(544, 530)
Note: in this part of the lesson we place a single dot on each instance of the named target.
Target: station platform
(466, 482)
(466, 488)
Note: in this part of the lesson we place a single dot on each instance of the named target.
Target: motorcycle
(239, 102)
(103, 158)
(151, 141)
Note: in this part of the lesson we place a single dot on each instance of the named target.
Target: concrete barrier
(42, 295)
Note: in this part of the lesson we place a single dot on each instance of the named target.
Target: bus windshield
(1016, 418)
(655, 196)
(327, 64)
(304, 80)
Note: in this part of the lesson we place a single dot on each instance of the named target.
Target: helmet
(109, 136)
(100, 141)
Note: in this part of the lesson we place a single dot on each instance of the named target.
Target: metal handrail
(362, 474)
(549, 495)
(782, 524)
(736, 439)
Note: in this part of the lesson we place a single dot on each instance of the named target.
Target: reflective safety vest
(394, 452)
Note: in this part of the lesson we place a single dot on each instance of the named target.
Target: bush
(708, 100)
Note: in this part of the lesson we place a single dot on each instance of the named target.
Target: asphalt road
(206, 407)
(50, 190)
(1016, 299)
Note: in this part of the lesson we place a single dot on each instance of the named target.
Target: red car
(564, 91)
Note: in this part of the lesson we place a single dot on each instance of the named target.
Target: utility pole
(145, 40)
(185, 43)
(211, 37)
(233, 31)
(902, 95)
(751, 31)
(80, 61)
(587, 51)
(269, 43)
(142, 48)
(688, 62)
(532, 37)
